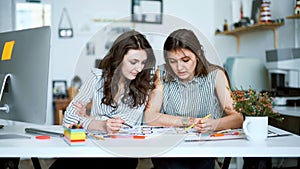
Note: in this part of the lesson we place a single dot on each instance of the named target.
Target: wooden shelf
(256, 27)
(293, 17)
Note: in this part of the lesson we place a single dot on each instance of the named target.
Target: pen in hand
(126, 124)
(191, 126)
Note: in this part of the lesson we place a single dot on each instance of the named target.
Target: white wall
(66, 51)
(6, 15)
(207, 16)
(204, 15)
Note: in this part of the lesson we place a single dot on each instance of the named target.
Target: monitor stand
(3, 80)
(5, 108)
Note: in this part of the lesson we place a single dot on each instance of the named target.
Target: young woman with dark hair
(191, 88)
(118, 92)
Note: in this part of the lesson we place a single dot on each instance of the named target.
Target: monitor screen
(24, 73)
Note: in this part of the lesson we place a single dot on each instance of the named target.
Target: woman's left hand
(205, 125)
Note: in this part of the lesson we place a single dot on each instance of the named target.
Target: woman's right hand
(158, 83)
(80, 108)
(114, 125)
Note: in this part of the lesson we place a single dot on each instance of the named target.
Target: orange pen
(223, 134)
(217, 135)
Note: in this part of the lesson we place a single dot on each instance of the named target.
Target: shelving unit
(293, 17)
(256, 27)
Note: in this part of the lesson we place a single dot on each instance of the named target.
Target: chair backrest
(245, 72)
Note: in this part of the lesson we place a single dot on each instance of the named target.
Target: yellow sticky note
(7, 50)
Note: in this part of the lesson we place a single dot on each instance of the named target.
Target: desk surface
(162, 146)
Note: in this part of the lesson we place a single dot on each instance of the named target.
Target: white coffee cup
(256, 128)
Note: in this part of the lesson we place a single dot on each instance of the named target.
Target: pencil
(126, 124)
(97, 137)
(191, 126)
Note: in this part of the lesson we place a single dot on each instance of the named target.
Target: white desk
(169, 146)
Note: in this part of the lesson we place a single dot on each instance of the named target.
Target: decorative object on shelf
(225, 26)
(241, 11)
(244, 22)
(237, 32)
(147, 11)
(265, 12)
(297, 8)
(75, 85)
(255, 12)
(59, 89)
(90, 48)
(65, 28)
(252, 103)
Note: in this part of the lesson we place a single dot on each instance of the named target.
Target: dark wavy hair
(186, 39)
(139, 87)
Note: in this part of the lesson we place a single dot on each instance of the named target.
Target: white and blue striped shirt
(92, 90)
(197, 98)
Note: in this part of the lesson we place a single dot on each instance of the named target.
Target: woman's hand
(158, 83)
(114, 125)
(80, 108)
(205, 125)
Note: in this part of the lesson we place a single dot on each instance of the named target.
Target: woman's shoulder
(212, 76)
(94, 76)
(96, 72)
(217, 73)
(220, 73)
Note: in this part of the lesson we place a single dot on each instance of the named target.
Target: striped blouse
(197, 98)
(92, 90)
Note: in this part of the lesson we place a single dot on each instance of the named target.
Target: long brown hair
(141, 85)
(186, 39)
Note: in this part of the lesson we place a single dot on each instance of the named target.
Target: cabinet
(290, 123)
(256, 27)
(60, 106)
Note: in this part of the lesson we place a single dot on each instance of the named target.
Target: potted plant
(256, 108)
(252, 103)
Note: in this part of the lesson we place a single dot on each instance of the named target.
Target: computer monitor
(24, 73)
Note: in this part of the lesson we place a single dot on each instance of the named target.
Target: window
(30, 15)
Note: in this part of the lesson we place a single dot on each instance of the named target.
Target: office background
(207, 16)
